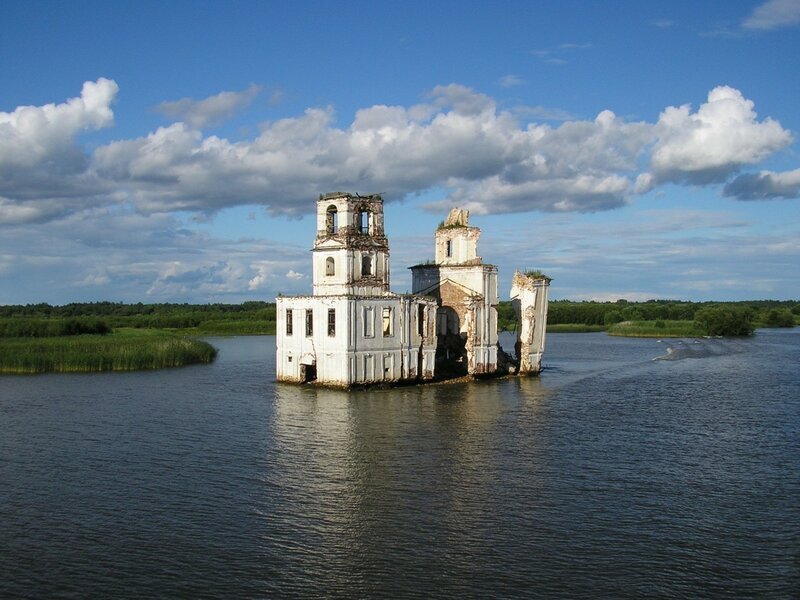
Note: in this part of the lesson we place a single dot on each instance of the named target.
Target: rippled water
(612, 475)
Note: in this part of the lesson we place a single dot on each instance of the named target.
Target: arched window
(332, 220)
(364, 218)
(366, 265)
(330, 266)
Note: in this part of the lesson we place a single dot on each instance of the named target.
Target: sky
(173, 151)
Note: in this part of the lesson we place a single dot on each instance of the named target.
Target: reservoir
(630, 468)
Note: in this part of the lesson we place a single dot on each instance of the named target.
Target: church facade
(352, 330)
(466, 296)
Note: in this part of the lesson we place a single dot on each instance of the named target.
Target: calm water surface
(624, 471)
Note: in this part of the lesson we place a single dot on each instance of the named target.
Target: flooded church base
(449, 368)
(352, 331)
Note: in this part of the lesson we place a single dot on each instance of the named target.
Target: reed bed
(122, 351)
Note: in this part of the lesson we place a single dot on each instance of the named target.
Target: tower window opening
(366, 265)
(330, 266)
(449, 248)
(364, 218)
(289, 324)
(332, 220)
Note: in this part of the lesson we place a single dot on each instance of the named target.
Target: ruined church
(352, 330)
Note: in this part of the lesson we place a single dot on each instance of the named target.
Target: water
(625, 470)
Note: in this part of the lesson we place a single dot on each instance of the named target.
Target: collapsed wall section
(529, 299)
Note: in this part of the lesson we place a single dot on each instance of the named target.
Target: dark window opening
(289, 323)
(330, 266)
(309, 322)
(332, 220)
(366, 265)
(420, 319)
(332, 321)
(449, 248)
(364, 218)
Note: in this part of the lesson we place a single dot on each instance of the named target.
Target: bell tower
(456, 241)
(351, 252)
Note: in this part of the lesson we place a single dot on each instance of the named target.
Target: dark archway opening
(308, 373)
(451, 354)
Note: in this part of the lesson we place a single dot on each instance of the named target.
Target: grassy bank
(124, 350)
(574, 328)
(657, 329)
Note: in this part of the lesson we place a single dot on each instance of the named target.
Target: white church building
(352, 330)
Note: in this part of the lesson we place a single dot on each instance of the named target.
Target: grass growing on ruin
(124, 350)
(659, 328)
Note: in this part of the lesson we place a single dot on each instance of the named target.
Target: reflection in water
(402, 469)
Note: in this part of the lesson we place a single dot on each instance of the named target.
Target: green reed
(122, 351)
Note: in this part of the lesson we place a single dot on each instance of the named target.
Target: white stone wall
(462, 243)
(348, 277)
(359, 352)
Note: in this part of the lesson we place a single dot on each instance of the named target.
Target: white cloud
(490, 159)
(662, 23)
(764, 185)
(43, 170)
(511, 81)
(292, 274)
(199, 113)
(773, 14)
(714, 142)
(555, 55)
(32, 134)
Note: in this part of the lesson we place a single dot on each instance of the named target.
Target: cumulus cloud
(773, 14)
(764, 185)
(709, 145)
(32, 134)
(489, 159)
(43, 171)
(200, 113)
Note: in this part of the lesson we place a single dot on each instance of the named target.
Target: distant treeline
(763, 313)
(42, 320)
(45, 320)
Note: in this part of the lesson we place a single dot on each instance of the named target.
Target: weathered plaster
(529, 299)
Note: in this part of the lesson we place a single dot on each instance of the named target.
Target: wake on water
(701, 348)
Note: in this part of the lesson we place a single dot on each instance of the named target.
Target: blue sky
(172, 152)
